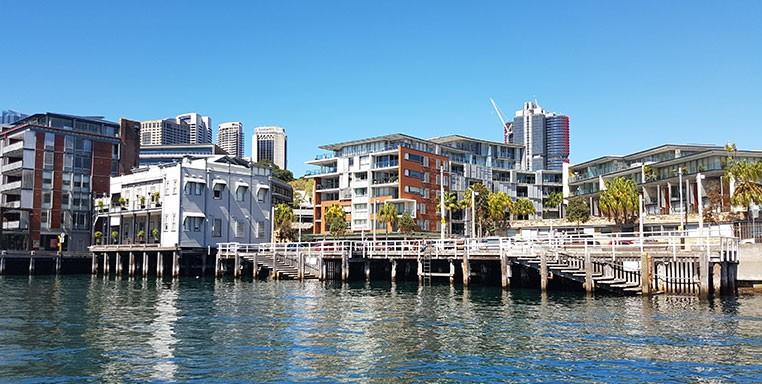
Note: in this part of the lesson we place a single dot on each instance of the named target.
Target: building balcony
(14, 149)
(321, 171)
(13, 168)
(386, 164)
(10, 187)
(11, 225)
(12, 204)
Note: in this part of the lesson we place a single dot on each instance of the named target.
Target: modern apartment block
(200, 127)
(656, 171)
(174, 153)
(230, 138)
(52, 165)
(270, 144)
(361, 175)
(9, 117)
(194, 204)
(163, 132)
(545, 136)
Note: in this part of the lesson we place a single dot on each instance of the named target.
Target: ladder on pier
(426, 266)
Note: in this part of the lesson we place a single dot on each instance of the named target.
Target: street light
(682, 205)
(754, 210)
(473, 212)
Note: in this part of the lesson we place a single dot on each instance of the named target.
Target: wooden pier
(622, 263)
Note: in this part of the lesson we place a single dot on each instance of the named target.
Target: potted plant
(98, 236)
(100, 208)
(141, 235)
(155, 197)
(114, 235)
(122, 201)
(155, 234)
(142, 202)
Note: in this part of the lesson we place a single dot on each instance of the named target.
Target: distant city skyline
(630, 75)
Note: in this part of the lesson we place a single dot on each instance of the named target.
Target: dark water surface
(80, 329)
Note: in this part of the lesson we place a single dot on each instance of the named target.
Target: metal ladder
(426, 266)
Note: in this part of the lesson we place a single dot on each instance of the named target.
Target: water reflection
(107, 330)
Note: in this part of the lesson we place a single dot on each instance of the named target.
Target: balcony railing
(13, 147)
(321, 171)
(11, 166)
(10, 186)
(386, 164)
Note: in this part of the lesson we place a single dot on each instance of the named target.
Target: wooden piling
(589, 284)
(106, 265)
(144, 270)
(237, 265)
(367, 270)
(420, 270)
(58, 264)
(466, 269)
(217, 265)
(452, 271)
(394, 270)
(159, 265)
(131, 266)
(505, 271)
(344, 267)
(543, 272)
(254, 268)
(31, 265)
(175, 264)
(704, 274)
(2, 265)
(645, 274)
(94, 264)
(716, 278)
(118, 266)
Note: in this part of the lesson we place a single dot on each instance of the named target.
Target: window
(189, 188)
(199, 188)
(261, 195)
(416, 158)
(260, 229)
(361, 206)
(48, 160)
(47, 179)
(218, 189)
(193, 224)
(166, 223)
(46, 197)
(174, 187)
(240, 193)
(174, 222)
(45, 218)
(237, 227)
(188, 223)
(217, 228)
(50, 141)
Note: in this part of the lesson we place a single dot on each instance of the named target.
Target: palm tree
(555, 200)
(388, 215)
(451, 203)
(747, 176)
(284, 216)
(619, 202)
(407, 224)
(523, 207)
(482, 194)
(499, 206)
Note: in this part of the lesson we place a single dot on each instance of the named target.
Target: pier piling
(367, 270)
(131, 266)
(105, 263)
(94, 264)
(589, 285)
(703, 274)
(2, 265)
(394, 270)
(31, 265)
(118, 267)
(175, 264)
(144, 270)
(543, 272)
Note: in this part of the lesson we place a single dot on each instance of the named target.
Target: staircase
(283, 269)
(571, 268)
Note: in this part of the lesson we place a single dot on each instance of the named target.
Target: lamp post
(700, 199)
(441, 203)
(682, 206)
(754, 210)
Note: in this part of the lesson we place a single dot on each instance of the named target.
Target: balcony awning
(217, 182)
(195, 180)
(194, 214)
(241, 184)
(262, 186)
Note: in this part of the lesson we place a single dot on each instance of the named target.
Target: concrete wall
(750, 262)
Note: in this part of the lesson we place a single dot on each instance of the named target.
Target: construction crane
(507, 127)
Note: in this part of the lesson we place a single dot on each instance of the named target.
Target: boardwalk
(621, 263)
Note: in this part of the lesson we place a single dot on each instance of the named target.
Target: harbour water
(96, 329)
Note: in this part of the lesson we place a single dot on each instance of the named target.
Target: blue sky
(630, 74)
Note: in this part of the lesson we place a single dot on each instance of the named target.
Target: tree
(284, 217)
(336, 219)
(451, 204)
(499, 206)
(577, 211)
(305, 185)
(407, 224)
(480, 206)
(555, 200)
(747, 176)
(277, 172)
(619, 202)
(523, 207)
(388, 215)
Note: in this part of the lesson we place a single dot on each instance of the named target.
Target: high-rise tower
(230, 138)
(544, 135)
(270, 144)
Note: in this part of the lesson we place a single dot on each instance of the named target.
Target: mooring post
(254, 267)
(144, 270)
(31, 265)
(301, 264)
(452, 271)
(175, 264)
(159, 265)
(217, 270)
(543, 272)
(394, 270)
(237, 265)
(589, 285)
(2, 265)
(344, 266)
(645, 274)
(94, 264)
(58, 264)
(704, 274)
(118, 267)
(466, 267)
(131, 267)
(505, 269)
(105, 263)
(420, 270)
(367, 270)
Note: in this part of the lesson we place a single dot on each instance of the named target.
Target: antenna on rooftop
(507, 127)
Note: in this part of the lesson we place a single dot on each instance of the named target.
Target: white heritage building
(196, 203)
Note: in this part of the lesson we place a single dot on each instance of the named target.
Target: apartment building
(658, 171)
(362, 175)
(199, 127)
(194, 204)
(163, 132)
(52, 165)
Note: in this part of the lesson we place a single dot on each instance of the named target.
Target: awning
(195, 180)
(241, 184)
(193, 214)
(262, 186)
(217, 182)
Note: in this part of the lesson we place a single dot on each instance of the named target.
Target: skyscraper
(270, 144)
(10, 117)
(163, 132)
(230, 138)
(544, 135)
(200, 127)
